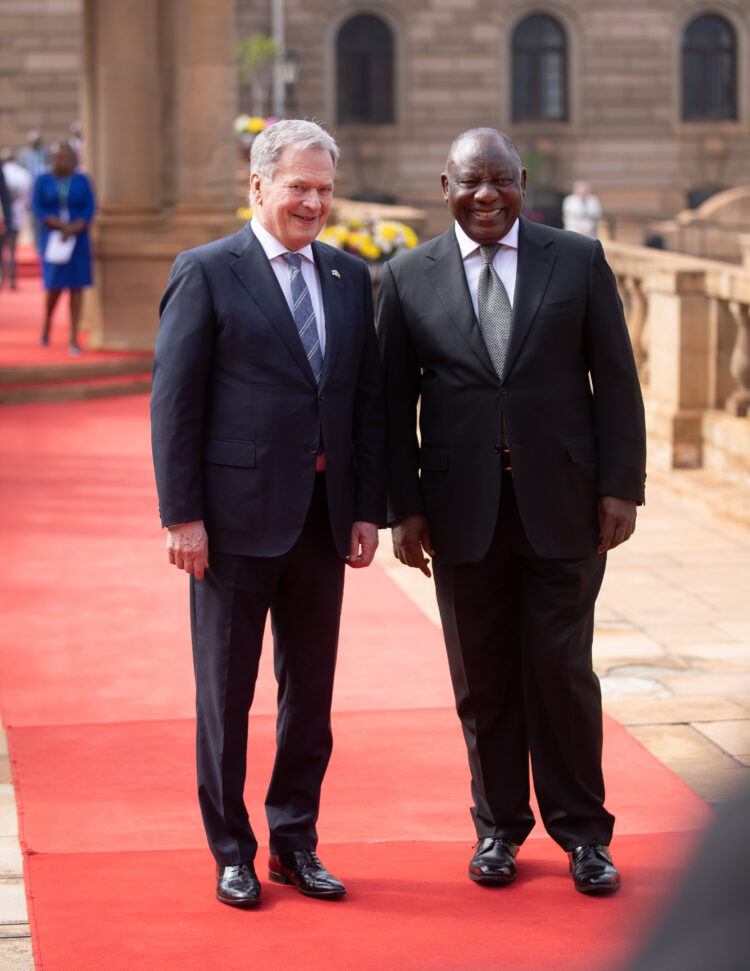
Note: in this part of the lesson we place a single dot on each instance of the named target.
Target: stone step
(75, 370)
(75, 390)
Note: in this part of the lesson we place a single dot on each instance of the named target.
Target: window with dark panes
(364, 59)
(540, 70)
(709, 70)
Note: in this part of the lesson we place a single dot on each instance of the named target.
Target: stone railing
(689, 321)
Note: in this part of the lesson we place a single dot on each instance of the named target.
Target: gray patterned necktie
(494, 310)
(304, 316)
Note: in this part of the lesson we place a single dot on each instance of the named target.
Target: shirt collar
(469, 246)
(272, 247)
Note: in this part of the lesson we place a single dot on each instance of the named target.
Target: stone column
(205, 93)
(123, 67)
(160, 88)
(679, 363)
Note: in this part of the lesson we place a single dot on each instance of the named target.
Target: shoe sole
(594, 890)
(288, 882)
(492, 881)
(232, 902)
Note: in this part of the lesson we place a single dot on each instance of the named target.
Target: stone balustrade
(689, 321)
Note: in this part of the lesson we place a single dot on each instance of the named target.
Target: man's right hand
(187, 547)
(411, 540)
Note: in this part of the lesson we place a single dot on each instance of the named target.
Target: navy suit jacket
(570, 396)
(237, 417)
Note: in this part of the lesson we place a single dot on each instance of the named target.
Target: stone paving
(671, 647)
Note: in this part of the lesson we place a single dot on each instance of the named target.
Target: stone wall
(453, 72)
(40, 68)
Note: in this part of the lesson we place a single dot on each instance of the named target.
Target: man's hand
(616, 521)
(187, 547)
(411, 540)
(362, 545)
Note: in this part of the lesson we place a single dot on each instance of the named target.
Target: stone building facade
(620, 71)
(593, 89)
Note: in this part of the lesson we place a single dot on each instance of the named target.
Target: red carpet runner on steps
(97, 697)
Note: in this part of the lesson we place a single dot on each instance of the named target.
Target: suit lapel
(445, 271)
(332, 285)
(536, 257)
(255, 273)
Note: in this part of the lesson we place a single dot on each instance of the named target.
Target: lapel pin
(336, 274)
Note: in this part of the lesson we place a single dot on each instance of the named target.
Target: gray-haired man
(268, 441)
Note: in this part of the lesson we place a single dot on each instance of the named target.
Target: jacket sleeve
(401, 377)
(368, 425)
(182, 360)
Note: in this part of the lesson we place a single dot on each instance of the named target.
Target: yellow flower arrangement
(251, 124)
(372, 239)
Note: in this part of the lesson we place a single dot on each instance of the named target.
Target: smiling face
(484, 185)
(294, 205)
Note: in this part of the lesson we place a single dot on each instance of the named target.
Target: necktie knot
(488, 253)
(292, 259)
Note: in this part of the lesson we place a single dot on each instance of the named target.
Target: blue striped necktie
(304, 316)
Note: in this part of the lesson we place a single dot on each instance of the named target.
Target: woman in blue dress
(63, 200)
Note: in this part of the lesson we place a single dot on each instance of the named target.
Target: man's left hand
(616, 521)
(363, 544)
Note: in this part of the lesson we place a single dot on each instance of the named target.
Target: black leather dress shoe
(593, 870)
(494, 862)
(238, 885)
(303, 869)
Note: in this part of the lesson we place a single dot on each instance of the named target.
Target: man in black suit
(268, 442)
(528, 468)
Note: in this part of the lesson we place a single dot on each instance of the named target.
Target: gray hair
(478, 133)
(268, 146)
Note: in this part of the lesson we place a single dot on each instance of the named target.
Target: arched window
(540, 70)
(709, 70)
(364, 58)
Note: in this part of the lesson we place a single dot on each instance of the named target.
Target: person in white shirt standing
(581, 210)
(18, 181)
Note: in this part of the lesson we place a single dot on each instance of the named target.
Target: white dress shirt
(505, 262)
(274, 250)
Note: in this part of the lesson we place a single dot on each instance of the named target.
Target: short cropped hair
(473, 133)
(268, 146)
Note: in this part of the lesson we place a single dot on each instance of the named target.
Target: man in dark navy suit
(268, 442)
(510, 338)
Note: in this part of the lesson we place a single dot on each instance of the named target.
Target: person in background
(581, 210)
(35, 158)
(18, 183)
(77, 144)
(508, 340)
(6, 211)
(63, 201)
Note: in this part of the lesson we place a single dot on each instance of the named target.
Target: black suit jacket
(570, 396)
(237, 418)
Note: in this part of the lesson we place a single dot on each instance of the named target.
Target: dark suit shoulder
(236, 243)
(431, 249)
(332, 254)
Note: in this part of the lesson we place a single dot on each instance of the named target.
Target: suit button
(322, 396)
(313, 449)
(504, 392)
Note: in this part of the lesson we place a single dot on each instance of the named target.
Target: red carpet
(21, 315)
(96, 695)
